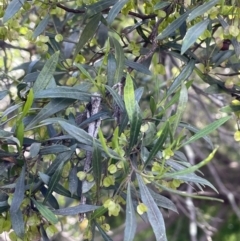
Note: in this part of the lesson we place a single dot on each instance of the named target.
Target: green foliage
(119, 151)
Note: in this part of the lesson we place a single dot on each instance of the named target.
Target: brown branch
(70, 10)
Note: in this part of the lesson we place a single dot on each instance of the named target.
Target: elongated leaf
(51, 108)
(41, 26)
(52, 201)
(129, 97)
(111, 69)
(183, 76)
(54, 149)
(63, 92)
(87, 33)
(103, 233)
(154, 215)
(34, 149)
(138, 67)
(203, 8)
(28, 103)
(182, 104)
(98, 213)
(53, 181)
(97, 165)
(45, 211)
(158, 145)
(12, 8)
(82, 208)
(161, 5)
(131, 222)
(43, 233)
(135, 127)
(19, 192)
(46, 73)
(17, 223)
(162, 201)
(116, 97)
(138, 93)
(119, 55)
(73, 180)
(11, 109)
(207, 130)
(99, 6)
(115, 10)
(193, 34)
(3, 93)
(171, 28)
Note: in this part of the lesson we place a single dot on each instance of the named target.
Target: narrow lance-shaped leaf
(182, 104)
(119, 55)
(103, 233)
(73, 180)
(17, 223)
(87, 33)
(158, 145)
(135, 127)
(154, 215)
(193, 34)
(41, 26)
(131, 222)
(28, 103)
(53, 181)
(203, 8)
(115, 10)
(45, 211)
(12, 8)
(207, 130)
(111, 69)
(46, 73)
(129, 97)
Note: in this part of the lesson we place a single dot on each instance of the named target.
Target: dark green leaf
(172, 27)
(45, 211)
(87, 33)
(99, 6)
(81, 208)
(52, 201)
(53, 181)
(102, 232)
(203, 8)
(50, 109)
(117, 7)
(183, 76)
(154, 215)
(73, 180)
(119, 55)
(99, 212)
(17, 223)
(41, 26)
(43, 233)
(131, 222)
(12, 8)
(54, 149)
(116, 97)
(193, 34)
(111, 69)
(161, 5)
(159, 143)
(18, 195)
(138, 67)
(46, 73)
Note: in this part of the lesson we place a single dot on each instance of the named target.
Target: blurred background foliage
(166, 46)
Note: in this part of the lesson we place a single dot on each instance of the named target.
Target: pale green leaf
(41, 26)
(12, 8)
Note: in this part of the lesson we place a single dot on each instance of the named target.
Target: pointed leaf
(138, 93)
(182, 104)
(103, 233)
(28, 103)
(41, 26)
(34, 149)
(117, 7)
(99, 6)
(73, 180)
(135, 127)
(159, 143)
(137, 66)
(82, 208)
(18, 195)
(171, 28)
(12, 8)
(193, 34)
(53, 181)
(207, 130)
(129, 97)
(161, 5)
(203, 8)
(52, 201)
(87, 33)
(43, 233)
(154, 215)
(111, 69)
(45, 211)
(120, 59)
(54, 149)
(46, 73)
(131, 222)
(17, 223)
(183, 76)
